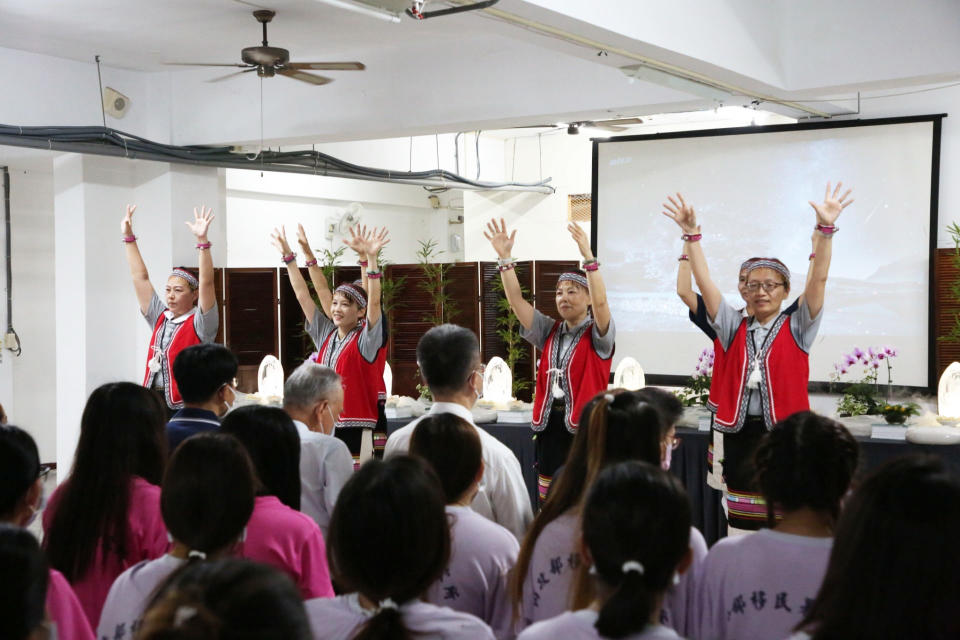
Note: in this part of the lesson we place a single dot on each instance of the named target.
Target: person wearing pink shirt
(105, 517)
(21, 499)
(277, 533)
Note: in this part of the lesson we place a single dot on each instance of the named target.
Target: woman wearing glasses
(766, 368)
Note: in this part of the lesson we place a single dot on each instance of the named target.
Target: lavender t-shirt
(680, 603)
(579, 625)
(553, 565)
(128, 596)
(759, 585)
(475, 582)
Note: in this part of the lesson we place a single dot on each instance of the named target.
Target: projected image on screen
(751, 193)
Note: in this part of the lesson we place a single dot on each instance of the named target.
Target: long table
(689, 464)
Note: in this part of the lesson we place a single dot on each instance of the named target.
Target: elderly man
(313, 398)
(449, 358)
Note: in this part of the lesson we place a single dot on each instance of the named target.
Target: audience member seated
(760, 585)
(449, 360)
(636, 529)
(227, 599)
(313, 398)
(21, 499)
(105, 516)
(23, 589)
(482, 552)
(893, 569)
(205, 376)
(389, 542)
(277, 533)
(206, 501)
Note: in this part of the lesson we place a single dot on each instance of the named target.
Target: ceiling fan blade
(232, 75)
(327, 66)
(619, 121)
(204, 64)
(303, 76)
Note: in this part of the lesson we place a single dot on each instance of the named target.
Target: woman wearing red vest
(187, 297)
(352, 339)
(766, 367)
(577, 350)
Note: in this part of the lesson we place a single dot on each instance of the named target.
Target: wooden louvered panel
(946, 308)
(407, 324)
(345, 274)
(218, 276)
(464, 291)
(295, 345)
(491, 343)
(251, 319)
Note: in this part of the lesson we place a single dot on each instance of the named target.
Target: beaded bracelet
(203, 245)
(129, 239)
(691, 237)
(683, 257)
(827, 230)
(287, 259)
(374, 275)
(506, 261)
(812, 256)
(506, 267)
(591, 266)
(362, 263)
(311, 263)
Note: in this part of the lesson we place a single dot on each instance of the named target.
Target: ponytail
(386, 624)
(632, 602)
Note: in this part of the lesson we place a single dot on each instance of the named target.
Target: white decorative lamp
(270, 378)
(497, 381)
(948, 393)
(388, 378)
(629, 375)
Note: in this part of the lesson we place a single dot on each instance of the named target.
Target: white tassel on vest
(556, 389)
(753, 382)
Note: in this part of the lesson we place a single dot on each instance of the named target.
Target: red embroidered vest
(362, 380)
(718, 380)
(582, 375)
(184, 336)
(784, 373)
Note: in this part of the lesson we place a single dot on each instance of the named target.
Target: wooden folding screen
(945, 309)
(490, 341)
(250, 310)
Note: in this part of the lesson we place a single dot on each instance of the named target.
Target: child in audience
(207, 499)
(482, 552)
(893, 569)
(389, 542)
(205, 375)
(759, 586)
(227, 599)
(105, 517)
(277, 533)
(21, 499)
(23, 589)
(636, 527)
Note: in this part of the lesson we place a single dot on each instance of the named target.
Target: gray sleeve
(207, 323)
(318, 327)
(726, 323)
(539, 329)
(803, 327)
(154, 310)
(604, 344)
(372, 339)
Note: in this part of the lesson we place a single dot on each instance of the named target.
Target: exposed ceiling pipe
(382, 14)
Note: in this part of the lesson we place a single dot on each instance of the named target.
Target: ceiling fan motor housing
(265, 56)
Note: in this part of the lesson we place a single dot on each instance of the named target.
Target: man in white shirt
(313, 398)
(449, 360)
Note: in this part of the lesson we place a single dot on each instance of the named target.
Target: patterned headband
(570, 276)
(353, 292)
(764, 263)
(186, 275)
(747, 263)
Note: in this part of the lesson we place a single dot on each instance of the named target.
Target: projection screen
(750, 188)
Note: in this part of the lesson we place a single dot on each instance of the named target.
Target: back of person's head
(23, 589)
(636, 526)
(271, 439)
(226, 599)
(19, 469)
(894, 564)
(208, 493)
(389, 538)
(309, 384)
(201, 370)
(805, 461)
(447, 356)
(667, 403)
(452, 447)
(121, 436)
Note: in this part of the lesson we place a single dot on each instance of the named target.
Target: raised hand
(681, 213)
(279, 240)
(376, 240)
(580, 237)
(126, 225)
(497, 235)
(358, 240)
(829, 210)
(202, 218)
(302, 241)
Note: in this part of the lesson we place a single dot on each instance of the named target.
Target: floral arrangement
(862, 397)
(697, 389)
(898, 413)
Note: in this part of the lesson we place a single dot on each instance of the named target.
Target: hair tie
(608, 397)
(632, 565)
(197, 554)
(183, 614)
(387, 603)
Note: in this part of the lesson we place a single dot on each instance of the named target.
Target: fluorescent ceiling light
(365, 10)
(649, 74)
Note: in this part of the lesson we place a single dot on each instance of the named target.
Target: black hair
(667, 403)
(23, 590)
(202, 369)
(635, 512)
(226, 599)
(208, 492)
(807, 460)
(19, 467)
(389, 538)
(893, 568)
(121, 436)
(452, 447)
(271, 439)
(447, 356)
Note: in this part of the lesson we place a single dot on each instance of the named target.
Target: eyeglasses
(768, 286)
(674, 442)
(45, 470)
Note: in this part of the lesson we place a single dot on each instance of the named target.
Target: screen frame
(935, 119)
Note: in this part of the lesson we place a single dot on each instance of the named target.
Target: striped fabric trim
(379, 441)
(543, 486)
(746, 506)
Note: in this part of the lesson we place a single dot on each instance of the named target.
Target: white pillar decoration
(948, 393)
(497, 381)
(629, 375)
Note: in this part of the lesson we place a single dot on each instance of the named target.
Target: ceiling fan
(573, 128)
(268, 61)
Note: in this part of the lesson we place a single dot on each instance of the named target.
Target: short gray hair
(309, 384)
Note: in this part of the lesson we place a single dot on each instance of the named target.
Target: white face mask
(667, 457)
(332, 420)
(41, 504)
(229, 405)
